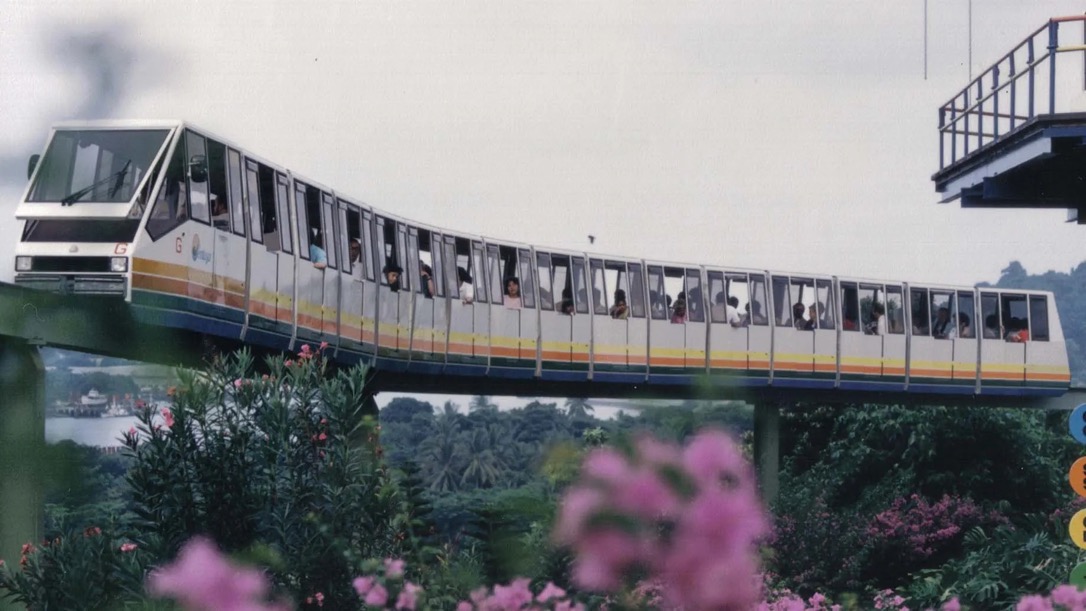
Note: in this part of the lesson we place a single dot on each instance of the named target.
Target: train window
(216, 183)
(967, 315)
(527, 279)
(599, 287)
(850, 307)
(918, 298)
(825, 304)
(265, 188)
(871, 299)
(408, 261)
(718, 297)
(282, 205)
(989, 312)
(331, 232)
(658, 298)
(674, 278)
(196, 149)
(170, 209)
(1015, 316)
(494, 267)
(615, 276)
(635, 297)
(1038, 318)
(942, 305)
(252, 187)
(428, 260)
(759, 304)
(367, 243)
(451, 276)
(237, 201)
(782, 303)
(803, 297)
(579, 287)
(546, 296)
(895, 312)
(478, 272)
(736, 291)
(695, 297)
(307, 218)
(350, 242)
(439, 265)
(563, 279)
(96, 165)
(413, 270)
(461, 262)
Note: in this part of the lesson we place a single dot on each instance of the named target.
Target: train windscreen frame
(96, 165)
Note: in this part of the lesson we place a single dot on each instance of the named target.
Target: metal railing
(1014, 90)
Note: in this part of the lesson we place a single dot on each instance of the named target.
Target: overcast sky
(796, 135)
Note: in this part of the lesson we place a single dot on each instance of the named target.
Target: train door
(931, 353)
(1046, 354)
(728, 330)
(313, 241)
(695, 327)
(608, 333)
(272, 262)
(1003, 353)
(429, 322)
(637, 326)
(557, 314)
(793, 341)
(862, 334)
(759, 331)
(227, 220)
(824, 327)
(964, 339)
(667, 331)
(334, 244)
(510, 313)
(894, 340)
(352, 289)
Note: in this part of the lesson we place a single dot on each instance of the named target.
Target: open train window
(527, 285)
(615, 276)
(275, 230)
(329, 236)
(546, 288)
(758, 304)
(943, 315)
(850, 307)
(895, 311)
(562, 284)
(579, 288)
(477, 272)
(429, 260)
(636, 295)
(872, 298)
(350, 239)
(449, 265)
(782, 302)
(918, 299)
(825, 304)
(252, 190)
(658, 298)
(237, 200)
(989, 311)
(599, 287)
(309, 220)
(1038, 318)
(718, 297)
(171, 207)
(196, 149)
(367, 244)
(221, 203)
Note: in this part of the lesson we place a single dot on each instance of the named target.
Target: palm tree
(481, 403)
(578, 408)
(450, 409)
(443, 455)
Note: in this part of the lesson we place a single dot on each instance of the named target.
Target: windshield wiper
(118, 176)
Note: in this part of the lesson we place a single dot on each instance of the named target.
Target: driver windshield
(104, 166)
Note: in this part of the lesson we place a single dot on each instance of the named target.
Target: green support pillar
(22, 446)
(767, 449)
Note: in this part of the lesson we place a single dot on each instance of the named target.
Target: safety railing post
(995, 103)
(965, 128)
(1014, 94)
(1030, 59)
(1053, 29)
(953, 130)
(942, 137)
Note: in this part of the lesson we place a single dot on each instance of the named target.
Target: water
(100, 432)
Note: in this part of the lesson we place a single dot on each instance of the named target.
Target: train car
(197, 233)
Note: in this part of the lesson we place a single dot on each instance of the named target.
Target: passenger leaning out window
(620, 311)
(392, 276)
(467, 291)
(427, 276)
(798, 321)
(678, 310)
(316, 252)
(512, 294)
(566, 305)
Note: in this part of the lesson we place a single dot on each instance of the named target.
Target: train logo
(1077, 476)
(1077, 423)
(198, 254)
(1077, 528)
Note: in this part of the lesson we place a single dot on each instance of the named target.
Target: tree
(481, 403)
(578, 408)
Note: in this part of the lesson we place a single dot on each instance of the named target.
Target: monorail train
(196, 233)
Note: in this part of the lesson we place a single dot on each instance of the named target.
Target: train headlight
(23, 264)
(118, 264)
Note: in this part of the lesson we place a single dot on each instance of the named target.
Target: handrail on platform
(971, 120)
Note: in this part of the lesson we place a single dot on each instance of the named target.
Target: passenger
(731, 312)
(991, 327)
(849, 323)
(316, 252)
(812, 317)
(511, 298)
(943, 329)
(756, 316)
(693, 303)
(220, 215)
(678, 311)
(798, 321)
(659, 308)
(825, 318)
(566, 305)
(355, 248)
(467, 291)
(1017, 331)
(620, 311)
(718, 312)
(426, 273)
(964, 330)
(392, 276)
(877, 326)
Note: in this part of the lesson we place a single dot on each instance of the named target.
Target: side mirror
(32, 164)
(198, 168)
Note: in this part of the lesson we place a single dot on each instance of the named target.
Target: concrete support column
(22, 445)
(767, 449)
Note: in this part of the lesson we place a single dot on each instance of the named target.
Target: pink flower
(237, 383)
(513, 596)
(1034, 603)
(605, 464)
(132, 431)
(128, 547)
(1069, 596)
(713, 458)
(550, 591)
(201, 577)
(316, 598)
(408, 596)
(363, 585)
(324, 436)
(377, 596)
(324, 345)
(288, 363)
(167, 415)
(951, 605)
(465, 606)
(393, 567)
